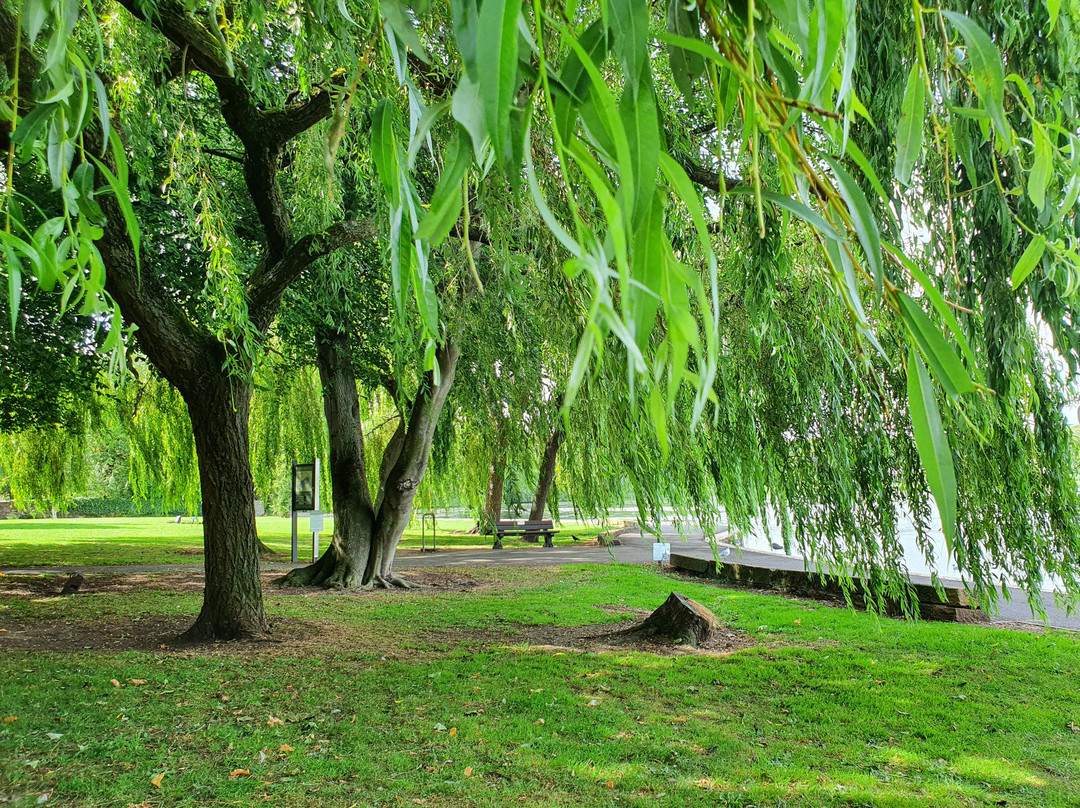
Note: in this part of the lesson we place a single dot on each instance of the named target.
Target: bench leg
(547, 540)
(498, 543)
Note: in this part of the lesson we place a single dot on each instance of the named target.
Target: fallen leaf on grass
(285, 748)
(273, 721)
(114, 683)
(137, 681)
(1072, 725)
(11, 719)
(155, 781)
(237, 772)
(468, 771)
(453, 732)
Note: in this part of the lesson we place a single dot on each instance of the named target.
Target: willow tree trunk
(494, 496)
(232, 601)
(547, 475)
(366, 531)
(343, 563)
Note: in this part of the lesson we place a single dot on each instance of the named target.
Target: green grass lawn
(156, 540)
(444, 698)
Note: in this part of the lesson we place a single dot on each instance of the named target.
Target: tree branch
(263, 133)
(410, 459)
(270, 280)
(476, 235)
(282, 125)
(699, 175)
(184, 30)
(224, 154)
(176, 346)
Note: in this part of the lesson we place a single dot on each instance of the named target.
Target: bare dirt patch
(603, 638)
(156, 633)
(592, 638)
(44, 586)
(291, 636)
(422, 580)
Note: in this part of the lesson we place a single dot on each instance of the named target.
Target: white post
(315, 533)
(292, 510)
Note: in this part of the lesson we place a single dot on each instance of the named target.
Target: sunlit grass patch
(443, 696)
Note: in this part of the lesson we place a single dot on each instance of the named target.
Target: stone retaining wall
(951, 605)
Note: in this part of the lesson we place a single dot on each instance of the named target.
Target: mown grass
(404, 705)
(157, 540)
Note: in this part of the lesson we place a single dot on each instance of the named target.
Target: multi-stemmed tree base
(367, 529)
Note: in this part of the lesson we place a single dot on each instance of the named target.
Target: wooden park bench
(529, 531)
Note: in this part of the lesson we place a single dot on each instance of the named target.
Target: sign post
(292, 511)
(315, 520)
(305, 498)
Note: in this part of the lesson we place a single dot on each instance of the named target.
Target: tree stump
(680, 620)
(73, 584)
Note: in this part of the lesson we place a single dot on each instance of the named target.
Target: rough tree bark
(547, 476)
(232, 600)
(367, 531)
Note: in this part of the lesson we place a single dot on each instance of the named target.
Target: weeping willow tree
(503, 407)
(924, 160)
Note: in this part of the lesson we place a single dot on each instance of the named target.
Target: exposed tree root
(240, 629)
(393, 579)
(331, 571)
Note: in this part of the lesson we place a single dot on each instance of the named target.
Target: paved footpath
(633, 549)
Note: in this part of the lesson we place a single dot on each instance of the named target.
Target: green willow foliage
(808, 244)
(287, 426)
(781, 80)
(44, 467)
(163, 466)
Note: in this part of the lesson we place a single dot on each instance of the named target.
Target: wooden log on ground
(678, 619)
